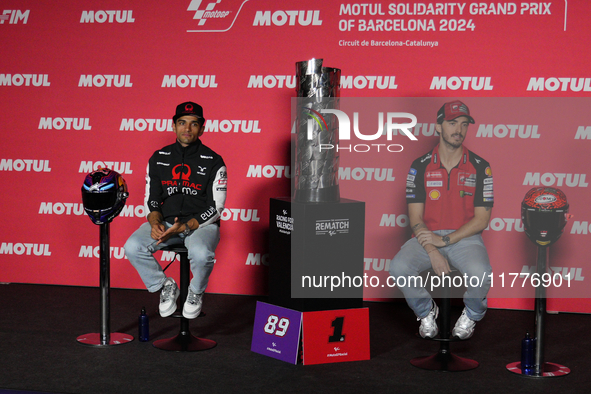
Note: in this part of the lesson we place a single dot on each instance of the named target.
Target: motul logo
(25, 165)
(511, 131)
(376, 264)
(366, 174)
(290, 18)
(583, 133)
(555, 179)
(232, 126)
(69, 208)
(581, 228)
(95, 252)
(27, 249)
(189, 81)
(272, 81)
(562, 84)
(24, 80)
(99, 81)
(369, 82)
(269, 171)
(381, 82)
(64, 123)
(505, 224)
(61, 208)
(111, 16)
(566, 273)
(394, 220)
(257, 259)
(243, 215)
(120, 167)
(461, 83)
(145, 125)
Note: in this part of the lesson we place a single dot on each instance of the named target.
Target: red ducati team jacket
(449, 198)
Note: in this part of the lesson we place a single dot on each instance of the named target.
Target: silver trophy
(316, 163)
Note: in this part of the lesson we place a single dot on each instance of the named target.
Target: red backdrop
(92, 83)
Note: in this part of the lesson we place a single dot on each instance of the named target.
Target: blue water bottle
(143, 326)
(528, 349)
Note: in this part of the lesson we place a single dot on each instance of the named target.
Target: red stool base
(444, 362)
(95, 339)
(551, 370)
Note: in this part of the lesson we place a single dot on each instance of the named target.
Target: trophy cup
(315, 233)
(316, 170)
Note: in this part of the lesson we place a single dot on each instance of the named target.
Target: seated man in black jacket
(186, 193)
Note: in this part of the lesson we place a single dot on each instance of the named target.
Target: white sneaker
(192, 307)
(170, 292)
(428, 328)
(464, 327)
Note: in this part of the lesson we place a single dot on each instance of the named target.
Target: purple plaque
(276, 332)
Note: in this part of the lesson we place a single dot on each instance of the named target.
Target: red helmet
(544, 214)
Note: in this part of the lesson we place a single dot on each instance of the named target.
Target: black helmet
(544, 214)
(103, 195)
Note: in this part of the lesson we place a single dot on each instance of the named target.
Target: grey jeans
(201, 244)
(469, 256)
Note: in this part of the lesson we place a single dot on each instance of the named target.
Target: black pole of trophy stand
(541, 369)
(105, 337)
(184, 341)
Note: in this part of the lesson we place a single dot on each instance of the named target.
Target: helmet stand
(541, 369)
(105, 337)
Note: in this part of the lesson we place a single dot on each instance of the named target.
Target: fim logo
(212, 16)
(332, 227)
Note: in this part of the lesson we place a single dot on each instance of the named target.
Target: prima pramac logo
(214, 16)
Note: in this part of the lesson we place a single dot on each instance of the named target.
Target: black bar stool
(444, 360)
(184, 341)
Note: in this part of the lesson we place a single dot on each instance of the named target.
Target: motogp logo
(216, 18)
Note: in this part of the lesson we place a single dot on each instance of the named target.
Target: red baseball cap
(452, 110)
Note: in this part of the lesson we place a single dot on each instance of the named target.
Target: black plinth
(316, 240)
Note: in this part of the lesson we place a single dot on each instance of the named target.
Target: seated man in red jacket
(449, 192)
